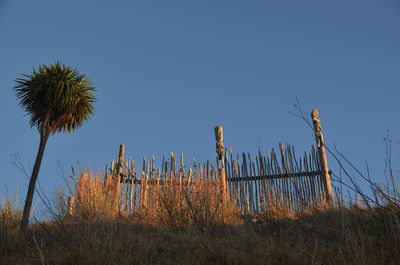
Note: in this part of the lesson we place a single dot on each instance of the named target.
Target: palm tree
(58, 99)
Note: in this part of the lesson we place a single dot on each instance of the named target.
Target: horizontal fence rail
(298, 174)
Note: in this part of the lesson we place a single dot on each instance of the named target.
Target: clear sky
(167, 72)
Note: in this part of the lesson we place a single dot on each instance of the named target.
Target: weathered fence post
(220, 156)
(322, 155)
(118, 172)
(70, 205)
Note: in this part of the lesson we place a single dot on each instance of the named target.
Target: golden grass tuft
(95, 197)
(10, 212)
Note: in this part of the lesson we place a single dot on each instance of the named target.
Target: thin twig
(38, 248)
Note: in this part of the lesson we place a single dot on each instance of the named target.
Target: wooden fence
(265, 183)
(275, 181)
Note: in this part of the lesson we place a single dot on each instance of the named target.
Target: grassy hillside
(202, 232)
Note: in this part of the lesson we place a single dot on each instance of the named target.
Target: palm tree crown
(56, 97)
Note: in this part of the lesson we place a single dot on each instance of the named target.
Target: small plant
(10, 212)
(10, 218)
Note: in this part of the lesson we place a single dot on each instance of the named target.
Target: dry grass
(198, 205)
(352, 236)
(10, 213)
(95, 197)
(195, 226)
(10, 216)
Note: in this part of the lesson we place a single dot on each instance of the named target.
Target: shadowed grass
(340, 236)
(196, 227)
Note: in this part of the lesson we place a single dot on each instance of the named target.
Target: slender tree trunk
(32, 182)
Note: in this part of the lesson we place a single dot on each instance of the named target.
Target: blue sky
(167, 72)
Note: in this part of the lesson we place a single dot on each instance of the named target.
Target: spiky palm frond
(56, 97)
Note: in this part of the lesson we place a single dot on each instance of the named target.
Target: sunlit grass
(10, 212)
